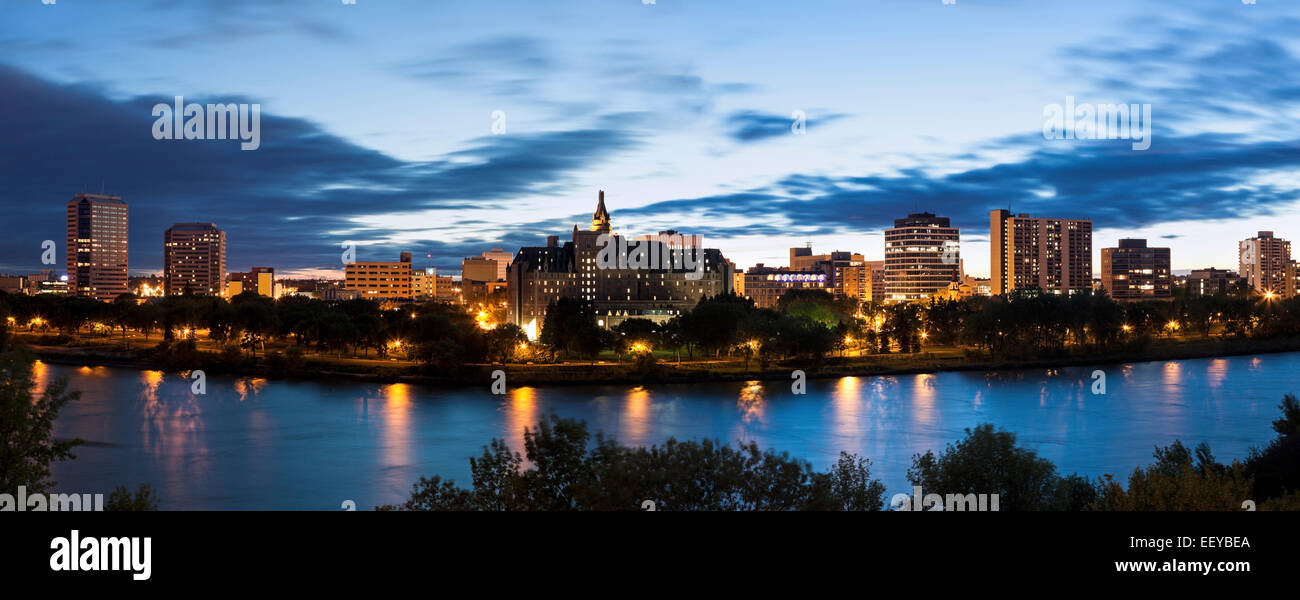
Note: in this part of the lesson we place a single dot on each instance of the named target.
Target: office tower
(380, 279)
(1133, 271)
(194, 259)
(666, 288)
(922, 256)
(97, 246)
(259, 280)
(1263, 262)
(1052, 255)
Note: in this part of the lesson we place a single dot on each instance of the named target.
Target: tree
(987, 461)
(503, 340)
(1289, 423)
(28, 447)
(568, 472)
(1175, 482)
(121, 499)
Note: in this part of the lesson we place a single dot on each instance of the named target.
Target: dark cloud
(1191, 177)
(753, 126)
(289, 203)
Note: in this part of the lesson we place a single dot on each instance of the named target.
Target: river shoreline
(569, 374)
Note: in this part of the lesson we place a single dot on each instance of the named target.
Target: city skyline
(395, 148)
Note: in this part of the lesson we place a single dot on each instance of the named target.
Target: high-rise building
(194, 259)
(380, 279)
(1263, 262)
(922, 256)
(1052, 255)
(664, 288)
(1133, 271)
(97, 246)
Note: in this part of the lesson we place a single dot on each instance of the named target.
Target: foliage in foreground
(988, 461)
(27, 445)
(567, 473)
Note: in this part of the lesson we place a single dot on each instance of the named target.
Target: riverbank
(573, 373)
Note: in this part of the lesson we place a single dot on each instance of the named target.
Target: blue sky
(377, 116)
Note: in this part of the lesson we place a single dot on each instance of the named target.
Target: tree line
(568, 471)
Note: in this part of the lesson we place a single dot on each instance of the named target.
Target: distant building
(540, 275)
(877, 280)
(969, 287)
(478, 269)
(1263, 261)
(97, 246)
(1132, 271)
(423, 283)
(1053, 255)
(1211, 281)
(765, 285)
(260, 280)
(503, 259)
(389, 280)
(922, 256)
(194, 259)
(13, 284)
(446, 289)
(848, 274)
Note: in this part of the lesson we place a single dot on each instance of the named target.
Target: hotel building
(1133, 271)
(539, 275)
(194, 259)
(97, 246)
(1052, 255)
(1263, 262)
(922, 256)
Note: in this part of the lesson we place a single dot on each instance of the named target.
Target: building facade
(1263, 262)
(386, 280)
(503, 259)
(1052, 255)
(922, 256)
(765, 285)
(1211, 281)
(259, 280)
(1132, 272)
(194, 259)
(97, 246)
(576, 269)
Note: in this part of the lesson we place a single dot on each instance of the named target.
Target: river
(251, 443)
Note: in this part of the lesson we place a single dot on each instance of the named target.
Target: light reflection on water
(254, 443)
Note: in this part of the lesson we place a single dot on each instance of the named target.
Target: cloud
(290, 203)
(748, 126)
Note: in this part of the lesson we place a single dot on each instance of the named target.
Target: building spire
(600, 220)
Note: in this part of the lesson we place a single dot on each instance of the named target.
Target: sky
(377, 123)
